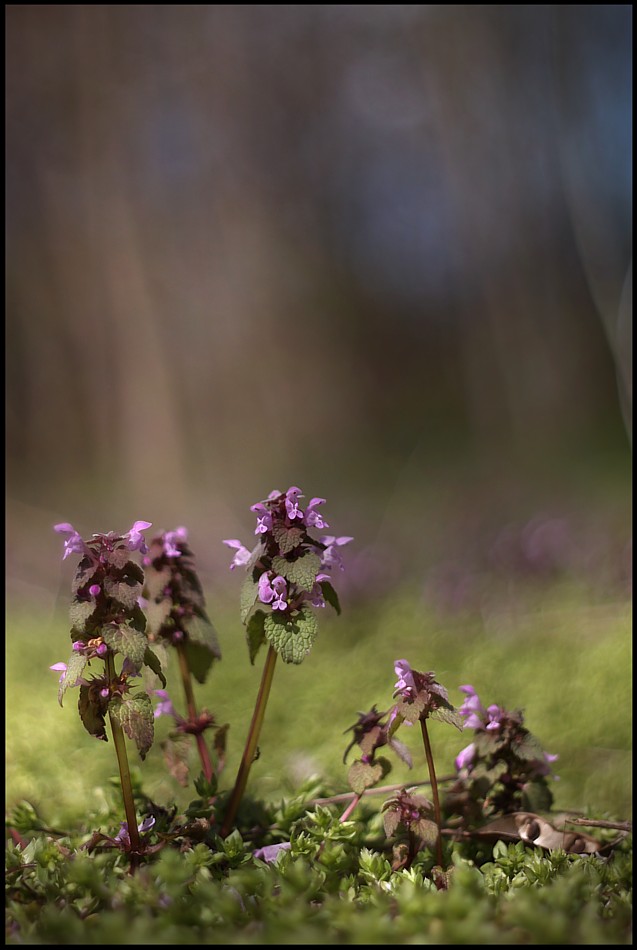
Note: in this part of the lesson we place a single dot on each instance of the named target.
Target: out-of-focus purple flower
(242, 555)
(313, 519)
(101, 649)
(543, 766)
(264, 518)
(292, 496)
(316, 594)
(94, 590)
(170, 540)
(59, 668)
(472, 709)
(270, 851)
(77, 646)
(465, 758)
(165, 706)
(105, 692)
(331, 557)
(494, 718)
(406, 684)
(74, 543)
(135, 537)
(123, 835)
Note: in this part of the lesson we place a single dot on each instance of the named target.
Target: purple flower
(59, 668)
(406, 684)
(275, 592)
(170, 540)
(101, 649)
(465, 758)
(123, 835)
(264, 518)
(495, 715)
(292, 496)
(94, 590)
(280, 588)
(266, 592)
(331, 557)
(135, 538)
(270, 851)
(312, 517)
(165, 706)
(73, 544)
(242, 555)
(78, 645)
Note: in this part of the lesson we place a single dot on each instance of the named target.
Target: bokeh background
(379, 252)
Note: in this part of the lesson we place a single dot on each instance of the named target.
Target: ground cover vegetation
(465, 845)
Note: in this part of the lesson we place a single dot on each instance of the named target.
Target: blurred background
(379, 252)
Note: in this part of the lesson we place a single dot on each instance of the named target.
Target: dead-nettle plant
(371, 732)
(420, 697)
(288, 574)
(503, 769)
(106, 623)
(178, 621)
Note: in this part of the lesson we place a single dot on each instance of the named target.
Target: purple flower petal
(270, 852)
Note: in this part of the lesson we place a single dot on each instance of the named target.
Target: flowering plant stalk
(420, 697)
(106, 622)
(503, 769)
(177, 618)
(288, 573)
(371, 732)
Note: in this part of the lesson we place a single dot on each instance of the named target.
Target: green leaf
(292, 638)
(363, 775)
(81, 612)
(86, 571)
(126, 640)
(330, 596)
(124, 588)
(451, 715)
(391, 820)
(255, 633)
(427, 830)
(529, 749)
(157, 614)
(370, 740)
(92, 714)
(410, 711)
(152, 660)
(287, 538)
(301, 571)
(200, 630)
(536, 796)
(155, 581)
(74, 669)
(249, 592)
(135, 716)
(176, 753)
(200, 659)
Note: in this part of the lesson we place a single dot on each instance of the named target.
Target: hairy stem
(122, 761)
(434, 788)
(186, 679)
(251, 742)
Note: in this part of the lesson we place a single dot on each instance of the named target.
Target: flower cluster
(504, 768)
(175, 603)
(420, 696)
(106, 620)
(289, 572)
